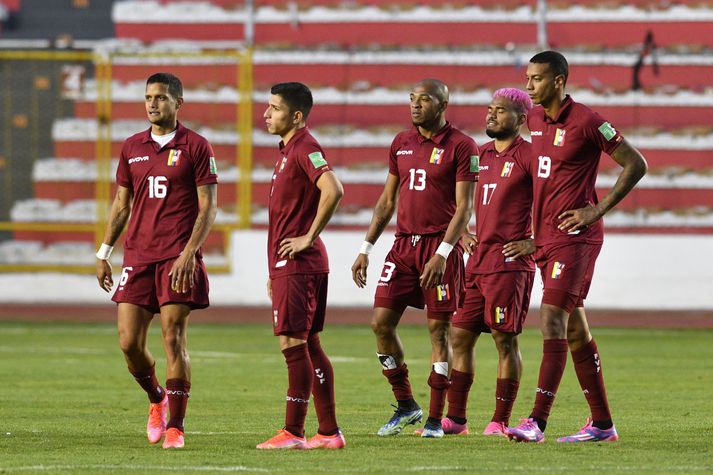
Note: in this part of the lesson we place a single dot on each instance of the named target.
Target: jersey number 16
(158, 186)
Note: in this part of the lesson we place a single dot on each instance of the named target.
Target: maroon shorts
(566, 271)
(150, 287)
(299, 304)
(398, 286)
(497, 301)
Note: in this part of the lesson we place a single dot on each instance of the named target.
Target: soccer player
(167, 191)
(567, 141)
(304, 195)
(432, 170)
(501, 269)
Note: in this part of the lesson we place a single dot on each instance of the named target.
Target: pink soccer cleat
(320, 441)
(589, 433)
(496, 429)
(449, 427)
(527, 431)
(156, 425)
(284, 440)
(174, 439)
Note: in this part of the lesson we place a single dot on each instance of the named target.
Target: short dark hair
(297, 96)
(556, 61)
(175, 88)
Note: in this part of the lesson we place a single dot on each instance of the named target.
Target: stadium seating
(361, 73)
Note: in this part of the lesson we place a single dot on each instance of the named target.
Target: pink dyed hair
(518, 97)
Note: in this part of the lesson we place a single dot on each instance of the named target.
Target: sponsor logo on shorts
(557, 270)
(274, 317)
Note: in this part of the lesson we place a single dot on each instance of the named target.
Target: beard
(499, 134)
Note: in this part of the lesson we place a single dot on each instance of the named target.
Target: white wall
(633, 272)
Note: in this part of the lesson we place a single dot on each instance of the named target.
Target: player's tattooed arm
(383, 211)
(183, 268)
(634, 168)
(118, 216)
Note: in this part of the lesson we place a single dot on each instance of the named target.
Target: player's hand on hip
(470, 242)
(577, 219)
(290, 247)
(359, 270)
(518, 249)
(182, 272)
(104, 275)
(433, 272)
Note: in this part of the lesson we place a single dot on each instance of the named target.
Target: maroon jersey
(163, 181)
(503, 203)
(428, 170)
(566, 153)
(294, 198)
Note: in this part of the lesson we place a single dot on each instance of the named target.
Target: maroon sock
(398, 378)
(554, 359)
(505, 394)
(439, 388)
(588, 367)
(148, 382)
(458, 394)
(178, 390)
(299, 375)
(323, 387)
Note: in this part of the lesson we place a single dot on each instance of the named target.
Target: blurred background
(72, 78)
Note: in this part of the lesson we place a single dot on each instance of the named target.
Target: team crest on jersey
(557, 270)
(507, 169)
(559, 138)
(500, 314)
(436, 156)
(173, 157)
(443, 292)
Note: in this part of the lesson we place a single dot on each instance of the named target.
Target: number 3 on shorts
(388, 272)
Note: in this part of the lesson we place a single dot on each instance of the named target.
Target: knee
(577, 338)
(129, 344)
(505, 344)
(382, 329)
(461, 343)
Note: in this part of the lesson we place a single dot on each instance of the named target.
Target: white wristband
(366, 248)
(444, 249)
(104, 252)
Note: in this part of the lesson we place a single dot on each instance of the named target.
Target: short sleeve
(467, 158)
(312, 161)
(204, 166)
(524, 157)
(602, 133)
(123, 176)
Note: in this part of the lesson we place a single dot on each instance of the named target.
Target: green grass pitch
(68, 405)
